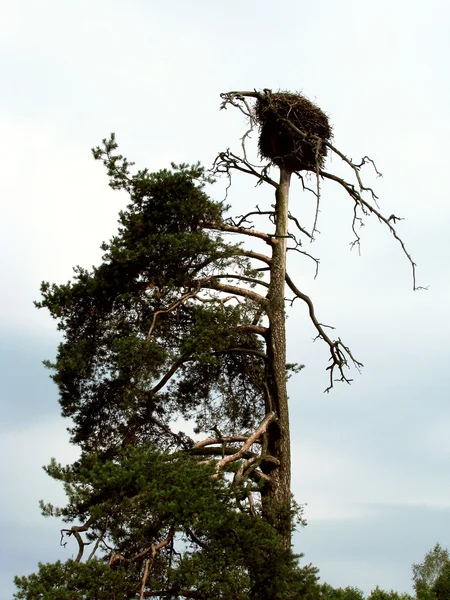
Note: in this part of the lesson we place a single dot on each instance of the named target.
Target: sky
(371, 461)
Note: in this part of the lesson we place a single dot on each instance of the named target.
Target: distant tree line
(431, 579)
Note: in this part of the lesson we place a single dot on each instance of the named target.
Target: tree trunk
(277, 498)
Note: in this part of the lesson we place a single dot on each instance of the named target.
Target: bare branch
(144, 577)
(296, 248)
(299, 227)
(232, 289)
(366, 206)
(338, 351)
(75, 530)
(240, 230)
(251, 503)
(244, 218)
(222, 301)
(222, 440)
(235, 98)
(217, 451)
(230, 97)
(226, 161)
(356, 169)
(251, 440)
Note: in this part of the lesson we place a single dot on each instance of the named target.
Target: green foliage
(426, 574)
(441, 587)
(379, 594)
(348, 593)
(108, 368)
(144, 495)
(142, 351)
(327, 592)
(71, 580)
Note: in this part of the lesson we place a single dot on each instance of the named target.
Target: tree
(327, 592)
(441, 587)
(379, 594)
(348, 593)
(180, 323)
(427, 573)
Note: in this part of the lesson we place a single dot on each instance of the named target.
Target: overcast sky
(371, 460)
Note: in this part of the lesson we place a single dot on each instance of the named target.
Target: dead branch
(222, 440)
(235, 98)
(76, 530)
(244, 218)
(356, 169)
(212, 283)
(369, 209)
(221, 226)
(218, 299)
(226, 161)
(338, 351)
(296, 248)
(217, 451)
(251, 503)
(251, 440)
(144, 577)
(299, 227)
(239, 475)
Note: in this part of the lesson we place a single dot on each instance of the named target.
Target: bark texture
(277, 498)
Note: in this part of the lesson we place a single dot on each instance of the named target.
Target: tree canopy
(142, 349)
(431, 577)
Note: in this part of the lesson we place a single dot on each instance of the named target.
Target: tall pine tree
(180, 324)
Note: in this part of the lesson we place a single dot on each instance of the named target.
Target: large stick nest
(292, 131)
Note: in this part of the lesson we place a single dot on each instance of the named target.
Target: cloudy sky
(371, 460)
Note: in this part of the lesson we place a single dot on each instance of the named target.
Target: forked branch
(221, 226)
(339, 352)
(227, 161)
(248, 443)
(76, 531)
(368, 208)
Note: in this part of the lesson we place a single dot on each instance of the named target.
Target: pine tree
(179, 324)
